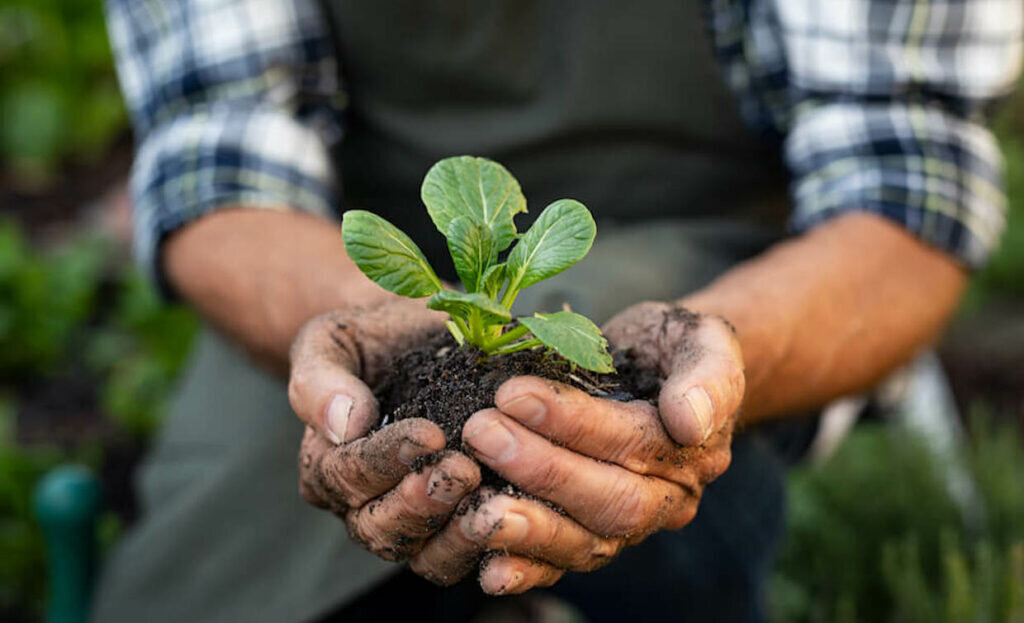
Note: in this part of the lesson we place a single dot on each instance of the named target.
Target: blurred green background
(88, 356)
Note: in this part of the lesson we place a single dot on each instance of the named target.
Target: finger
(450, 555)
(351, 474)
(324, 387)
(527, 527)
(605, 498)
(396, 525)
(705, 386)
(511, 575)
(627, 434)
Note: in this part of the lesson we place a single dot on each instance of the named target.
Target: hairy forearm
(259, 275)
(833, 311)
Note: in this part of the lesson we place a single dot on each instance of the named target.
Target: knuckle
(419, 566)
(738, 381)
(682, 516)
(412, 503)
(573, 430)
(549, 576)
(543, 479)
(717, 463)
(629, 513)
(551, 536)
(297, 386)
(634, 452)
(344, 476)
(356, 530)
(423, 568)
(364, 529)
(310, 494)
(721, 329)
(601, 553)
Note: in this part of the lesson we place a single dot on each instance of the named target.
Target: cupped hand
(367, 478)
(611, 472)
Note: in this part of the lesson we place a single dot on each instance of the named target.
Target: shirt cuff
(934, 173)
(255, 156)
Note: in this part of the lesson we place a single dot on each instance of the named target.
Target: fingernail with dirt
(490, 439)
(701, 409)
(528, 409)
(512, 584)
(337, 417)
(513, 528)
(409, 451)
(443, 488)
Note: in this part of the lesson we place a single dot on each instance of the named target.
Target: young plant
(473, 203)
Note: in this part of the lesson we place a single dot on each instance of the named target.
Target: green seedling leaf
(574, 337)
(473, 202)
(473, 250)
(387, 256)
(462, 304)
(560, 237)
(477, 188)
(493, 279)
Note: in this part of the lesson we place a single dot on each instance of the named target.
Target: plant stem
(476, 326)
(510, 296)
(518, 346)
(462, 327)
(507, 338)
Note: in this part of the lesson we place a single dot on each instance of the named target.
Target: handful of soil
(446, 384)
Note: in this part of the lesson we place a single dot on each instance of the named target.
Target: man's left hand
(618, 470)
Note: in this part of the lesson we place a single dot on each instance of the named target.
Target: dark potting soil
(446, 384)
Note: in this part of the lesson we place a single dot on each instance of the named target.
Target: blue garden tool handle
(67, 504)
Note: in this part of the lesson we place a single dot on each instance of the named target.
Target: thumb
(324, 386)
(705, 383)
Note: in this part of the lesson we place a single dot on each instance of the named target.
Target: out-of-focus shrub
(874, 534)
(72, 314)
(58, 92)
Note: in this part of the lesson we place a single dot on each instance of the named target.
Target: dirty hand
(368, 481)
(620, 471)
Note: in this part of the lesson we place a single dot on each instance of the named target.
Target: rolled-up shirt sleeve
(888, 104)
(234, 102)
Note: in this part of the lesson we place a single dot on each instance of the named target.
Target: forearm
(833, 311)
(259, 275)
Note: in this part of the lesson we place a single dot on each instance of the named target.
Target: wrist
(764, 339)
(259, 274)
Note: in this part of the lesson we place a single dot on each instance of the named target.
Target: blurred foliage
(73, 313)
(874, 534)
(62, 312)
(42, 300)
(58, 93)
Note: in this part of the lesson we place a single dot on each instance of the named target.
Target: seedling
(473, 203)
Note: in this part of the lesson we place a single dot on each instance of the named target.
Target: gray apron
(616, 104)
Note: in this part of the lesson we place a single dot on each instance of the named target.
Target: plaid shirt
(879, 105)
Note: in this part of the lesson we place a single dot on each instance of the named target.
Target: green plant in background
(875, 536)
(473, 203)
(58, 92)
(140, 353)
(73, 312)
(64, 312)
(43, 300)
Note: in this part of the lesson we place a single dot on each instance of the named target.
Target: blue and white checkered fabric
(880, 105)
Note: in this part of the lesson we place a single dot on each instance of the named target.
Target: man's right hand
(367, 478)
